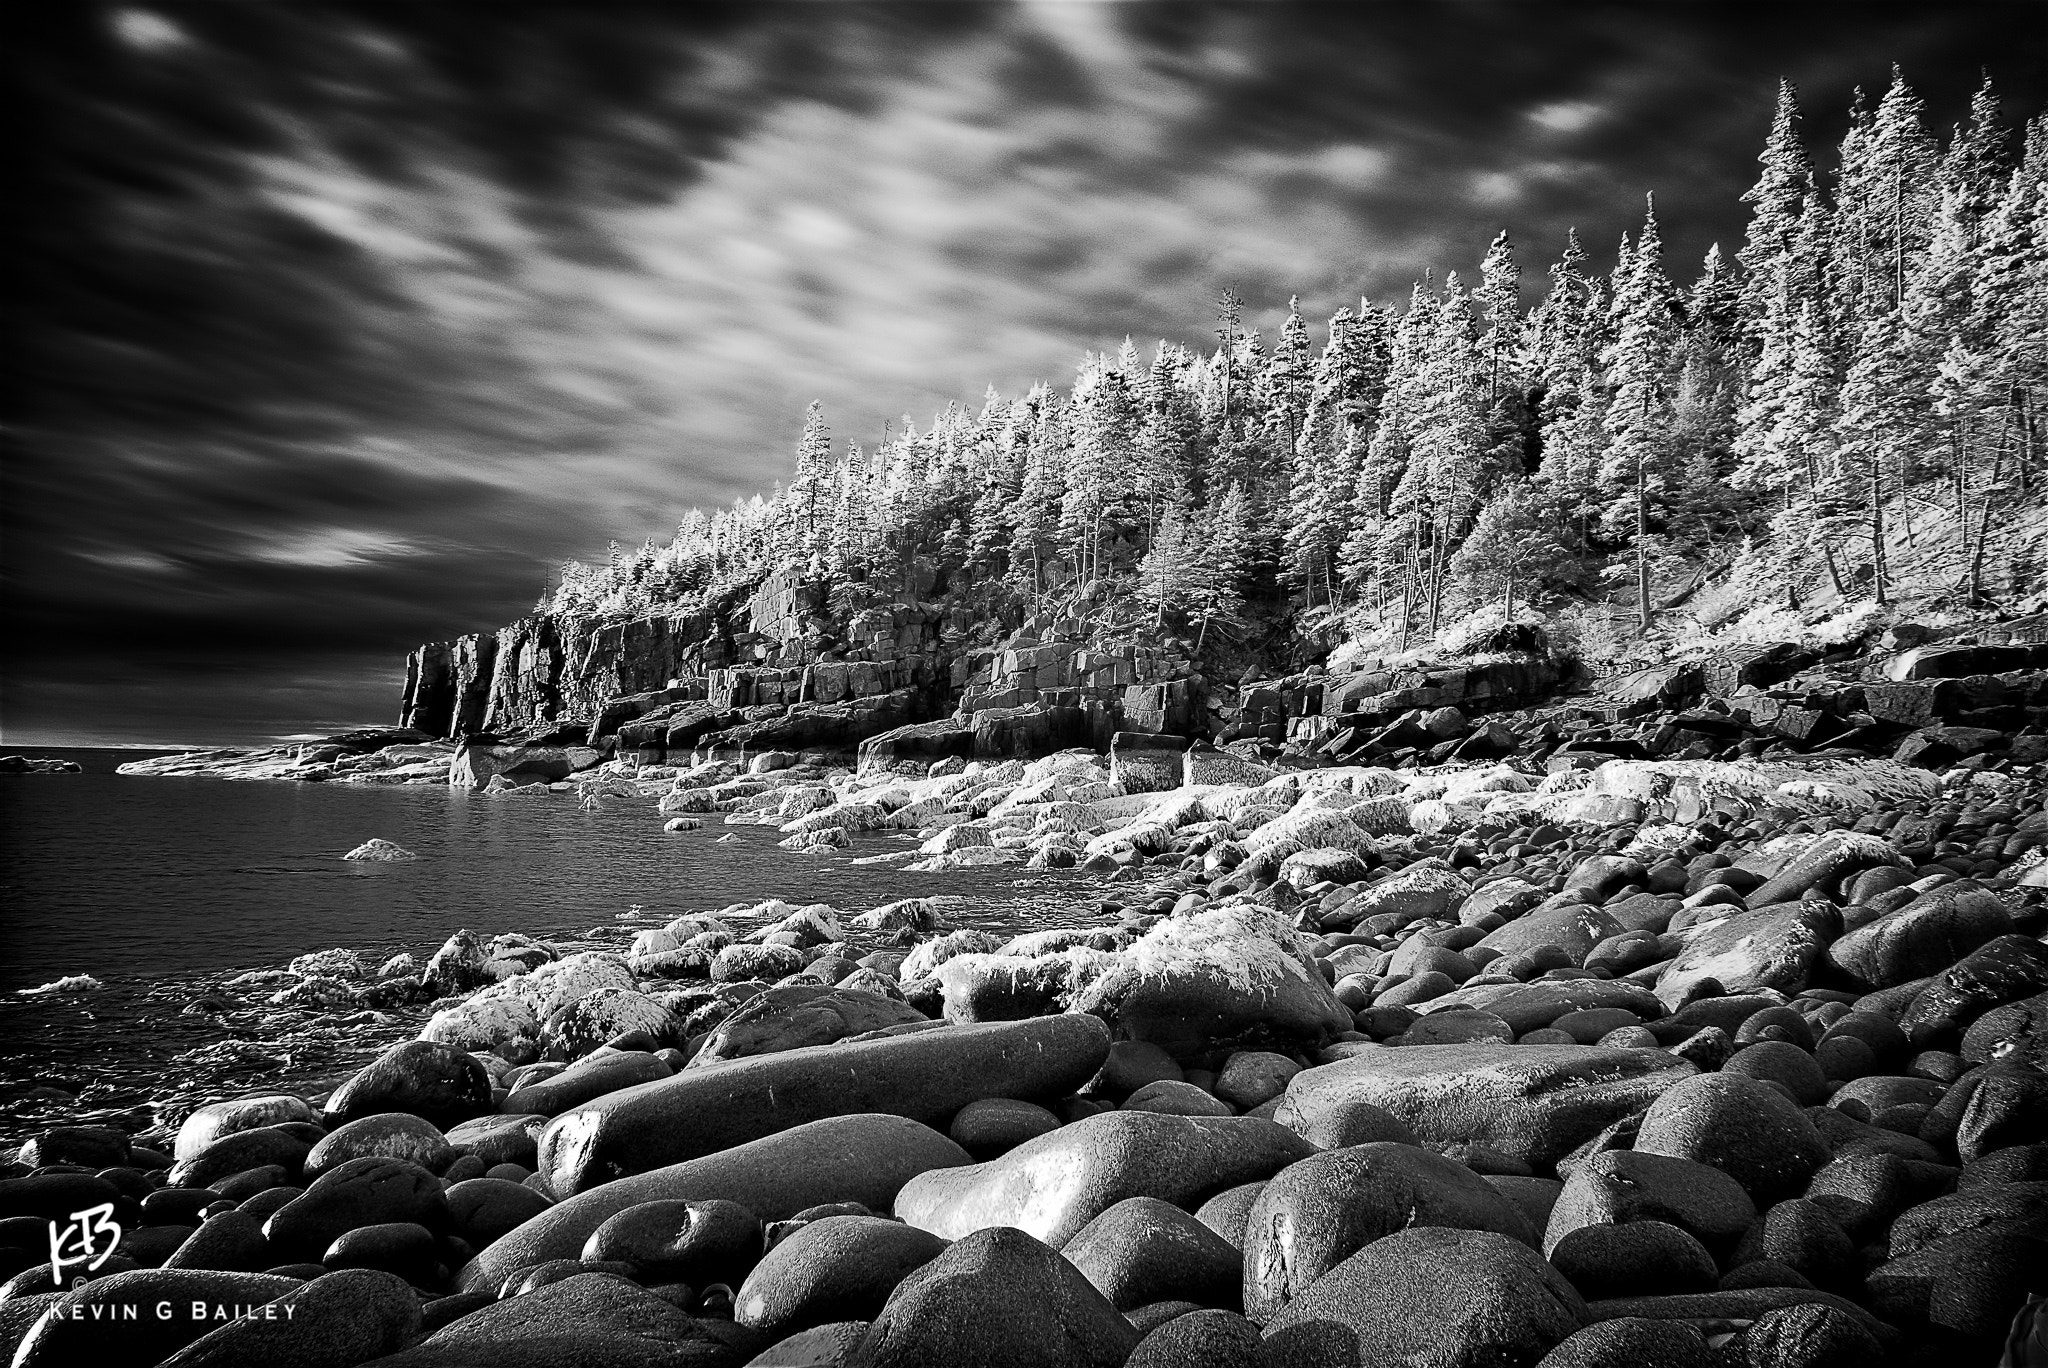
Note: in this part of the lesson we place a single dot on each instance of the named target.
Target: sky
(342, 324)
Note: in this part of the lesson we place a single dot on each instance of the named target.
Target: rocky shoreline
(1610, 1061)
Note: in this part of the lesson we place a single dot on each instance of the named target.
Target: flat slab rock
(1531, 1102)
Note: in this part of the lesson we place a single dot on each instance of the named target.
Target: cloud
(345, 323)
(1566, 116)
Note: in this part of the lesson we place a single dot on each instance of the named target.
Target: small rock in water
(379, 849)
(70, 983)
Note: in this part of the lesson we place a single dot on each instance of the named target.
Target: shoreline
(1284, 961)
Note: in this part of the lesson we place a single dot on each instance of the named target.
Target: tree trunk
(1876, 528)
(1642, 547)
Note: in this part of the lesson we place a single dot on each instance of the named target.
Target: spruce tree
(1782, 190)
(1638, 468)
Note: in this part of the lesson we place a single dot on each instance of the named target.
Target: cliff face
(778, 668)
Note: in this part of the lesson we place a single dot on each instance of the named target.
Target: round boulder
(1007, 1298)
(1748, 1130)
(841, 1268)
(1143, 1250)
(437, 1083)
(1315, 1214)
(1431, 1295)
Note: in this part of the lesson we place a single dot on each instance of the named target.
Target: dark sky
(340, 324)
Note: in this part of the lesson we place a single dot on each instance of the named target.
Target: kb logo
(87, 1240)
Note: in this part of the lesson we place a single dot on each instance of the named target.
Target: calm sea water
(162, 888)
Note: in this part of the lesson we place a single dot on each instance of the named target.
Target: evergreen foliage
(1882, 332)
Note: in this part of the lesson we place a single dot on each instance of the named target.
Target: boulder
(587, 1320)
(1532, 1103)
(1201, 1339)
(593, 1076)
(671, 1241)
(1145, 762)
(1527, 1007)
(1054, 1185)
(392, 1135)
(841, 1268)
(865, 1158)
(1143, 1250)
(367, 1191)
(1924, 937)
(2003, 970)
(1572, 928)
(1748, 1130)
(1315, 1214)
(924, 1075)
(437, 1083)
(338, 1319)
(1219, 974)
(1001, 1299)
(1634, 1259)
(90, 1325)
(481, 1210)
(1769, 948)
(1633, 1342)
(1618, 1186)
(216, 1119)
(791, 1016)
(1430, 1296)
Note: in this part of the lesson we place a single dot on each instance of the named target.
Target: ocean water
(164, 888)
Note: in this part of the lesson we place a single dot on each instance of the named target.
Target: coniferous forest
(1868, 368)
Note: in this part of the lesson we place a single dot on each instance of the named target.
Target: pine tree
(1776, 201)
(1639, 465)
(808, 491)
(1566, 337)
(1885, 198)
(1500, 296)
(1513, 541)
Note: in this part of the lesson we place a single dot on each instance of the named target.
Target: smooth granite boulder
(513, 1138)
(1771, 947)
(841, 1268)
(88, 1324)
(996, 1299)
(368, 1191)
(596, 1074)
(1430, 1297)
(699, 1243)
(1527, 1007)
(793, 1015)
(924, 1075)
(388, 1135)
(1619, 1186)
(336, 1320)
(1748, 1130)
(1632, 1342)
(1534, 1103)
(216, 1119)
(1202, 1339)
(1924, 937)
(435, 1082)
(239, 1151)
(483, 1209)
(588, 1320)
(2000, 971)
(1315, 1214)
(1053, 1186)
(865, 1158)
(1143, 1250)
(1220, 974)
(1572, 927)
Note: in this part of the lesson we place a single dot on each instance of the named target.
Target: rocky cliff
(780, 668)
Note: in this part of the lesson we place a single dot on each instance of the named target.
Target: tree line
(1880, 341)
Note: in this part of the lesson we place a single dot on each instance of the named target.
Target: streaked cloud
(346, 323)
